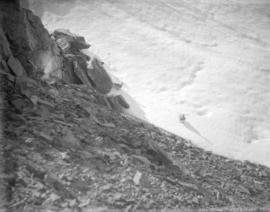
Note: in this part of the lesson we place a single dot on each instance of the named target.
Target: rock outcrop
(89, 71)
(26, 44)
(28, 49)
(79, 68)
(67, 40)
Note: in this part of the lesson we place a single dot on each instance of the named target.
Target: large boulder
(121, 100)
(97, 73)
(118, 103)
(66, 40)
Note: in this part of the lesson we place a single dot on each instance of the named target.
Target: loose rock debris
(65, 160)
(67, 146)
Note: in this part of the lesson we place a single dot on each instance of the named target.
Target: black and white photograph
(134, 105)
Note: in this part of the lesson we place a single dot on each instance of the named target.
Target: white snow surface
(207, 59)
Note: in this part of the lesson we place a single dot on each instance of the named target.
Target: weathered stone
(118, 86)
(63, 43)
(16, 66)
(100, 77)
(28, 39)
(101, 99)
(68, 72)
(4, 45)
(4, 66)
(80, 73)
(114, 104)
(121, 100)
(75, 41)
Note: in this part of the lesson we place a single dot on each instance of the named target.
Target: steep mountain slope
(206, 59)
(66, 149)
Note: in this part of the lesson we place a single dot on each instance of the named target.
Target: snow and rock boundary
(66, 151)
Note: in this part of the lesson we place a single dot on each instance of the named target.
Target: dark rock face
(65, 39)
(75, 62)
(121, 100)
(26, 48)
(15, 66)
(79, 68)
(69, 74)
(5, 51)
(76, 68)
(23, 33)
(99, 75)
(118, 102)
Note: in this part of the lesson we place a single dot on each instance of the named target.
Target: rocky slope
(68, 146)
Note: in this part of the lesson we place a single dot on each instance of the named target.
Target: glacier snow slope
(206, 59)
